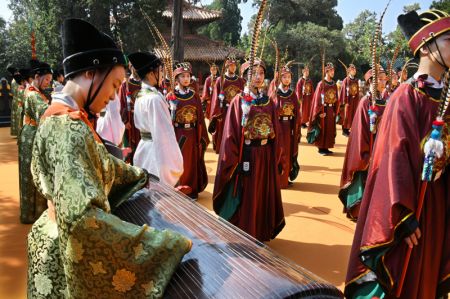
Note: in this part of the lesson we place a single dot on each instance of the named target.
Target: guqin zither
(224, 262)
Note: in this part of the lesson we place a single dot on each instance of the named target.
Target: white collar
(434, 83)
(148, 86)
(63, 98)
(181, 90)
(281, 87)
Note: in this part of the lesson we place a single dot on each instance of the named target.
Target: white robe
(160, 156)
(110, 126)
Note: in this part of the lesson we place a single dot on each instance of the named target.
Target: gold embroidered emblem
(353, 89)
(230, 92)
(97, 268)
(139, 251)
(123, 280)
(259, 126)
(308, 88)
(186, 114)
(330, 96)
(288, 109)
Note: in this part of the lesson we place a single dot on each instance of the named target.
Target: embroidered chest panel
(259, 126)
(231, 91)
(287, 108)
(353, 89)
(307, 88)
(330, 95)
(186, 114)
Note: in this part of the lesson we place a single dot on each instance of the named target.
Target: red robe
(208, 89)
(190, 125)
(326, 125)
(256, 206)
(290, 121)
(231, 87)
(129, 88)
(357, 157)
(390, 200)
(349, 97)
(305, 93)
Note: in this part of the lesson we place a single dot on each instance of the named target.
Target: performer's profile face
(44, 81)
(443, 46)
(109, 88)
(382, 78)
(286, 79)
(184, 79)
(306, 72)
(213, 70)
(258, 77)
(330, 73)
(232, 68)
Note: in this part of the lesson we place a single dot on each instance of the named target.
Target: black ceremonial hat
(420, 29)
(40, 68)
(85, 48)
(144, 62)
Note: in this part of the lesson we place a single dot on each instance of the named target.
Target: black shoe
(346, 132)
(323, 152)
(328, 152)
(290, 183)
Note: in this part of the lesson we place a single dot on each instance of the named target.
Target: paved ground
(317, 235)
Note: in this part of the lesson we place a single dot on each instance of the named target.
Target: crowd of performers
(90, 140)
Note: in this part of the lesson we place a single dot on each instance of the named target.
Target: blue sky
(347, 9)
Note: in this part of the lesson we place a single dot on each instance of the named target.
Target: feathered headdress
(254, 45)
(375, 58)
(166, 53)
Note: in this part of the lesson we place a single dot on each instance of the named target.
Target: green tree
(443, 5)
(229, 27)
(121, 19)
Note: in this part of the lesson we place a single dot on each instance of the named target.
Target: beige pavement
(317, 234)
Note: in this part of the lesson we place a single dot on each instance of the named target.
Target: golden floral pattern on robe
(89, 252)
(287, 109)
(330, 96)
(353, 89)
(259, 126)
(186, 114)
(230, 92)
(308, 88)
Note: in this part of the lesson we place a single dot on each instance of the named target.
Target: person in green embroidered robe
(77, 248)
(32, 203)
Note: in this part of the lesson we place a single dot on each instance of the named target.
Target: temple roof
(193, 13)
(200, 48)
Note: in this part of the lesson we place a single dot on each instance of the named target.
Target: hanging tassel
(373, 116)
(173, 103)
(433, 148)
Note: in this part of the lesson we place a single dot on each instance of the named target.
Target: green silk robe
(32, 203)
(14, 89)
(88, 252)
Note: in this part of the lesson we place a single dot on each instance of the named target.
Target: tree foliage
(443, 5)
(120, 19)
(229, 27)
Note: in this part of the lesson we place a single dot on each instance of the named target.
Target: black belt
(257, 142)
(286, 118)
(146, 136)
(184, 126)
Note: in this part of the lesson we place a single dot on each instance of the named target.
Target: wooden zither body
(224, 262)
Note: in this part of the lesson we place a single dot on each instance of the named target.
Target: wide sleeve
(110, 127)
(215, 103)
(102, 254)
(343, 96)
(38, 106)
(167, 151)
